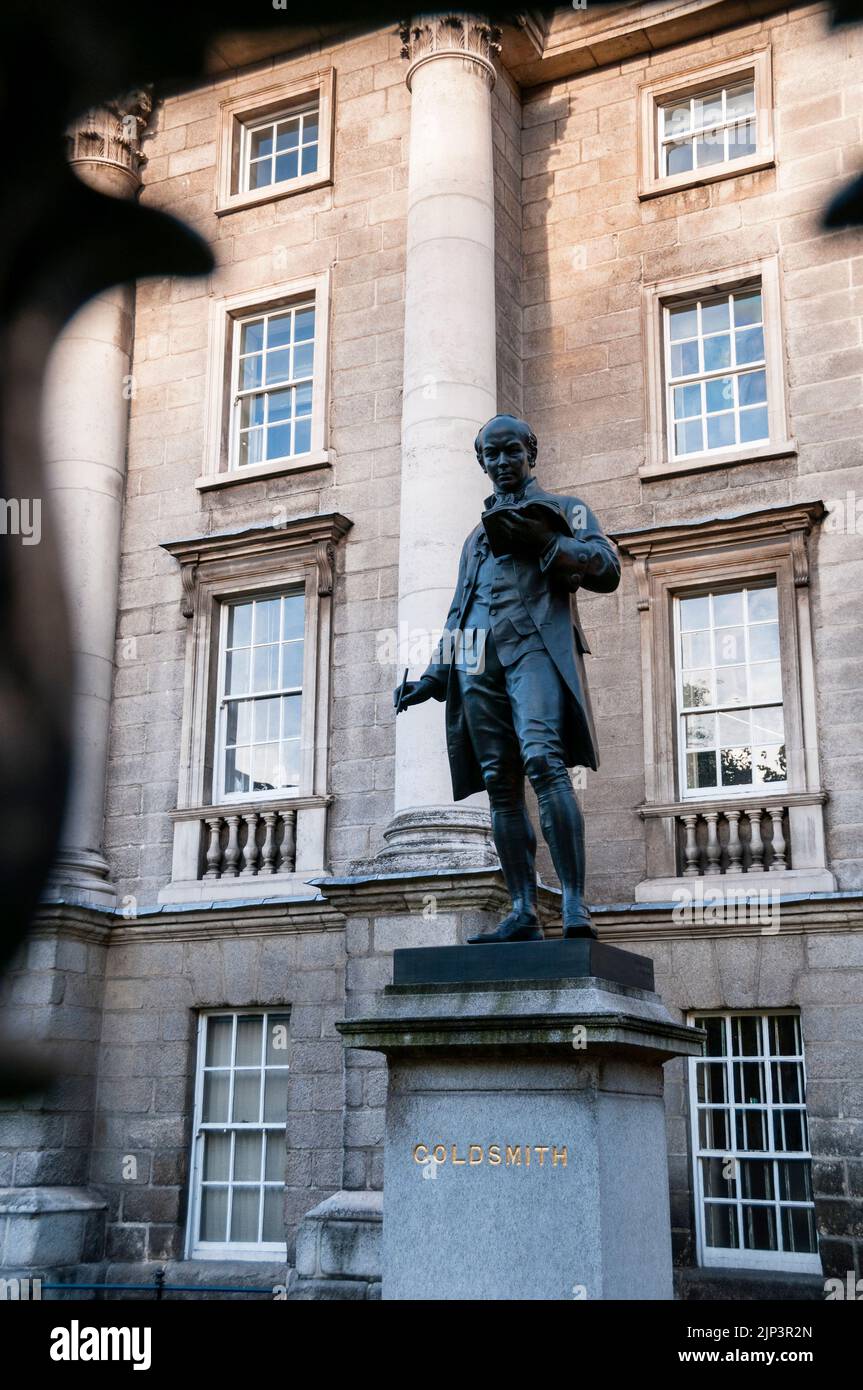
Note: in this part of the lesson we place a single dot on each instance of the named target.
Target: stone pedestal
(525, 1145)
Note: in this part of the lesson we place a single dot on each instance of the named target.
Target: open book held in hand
(545, 512)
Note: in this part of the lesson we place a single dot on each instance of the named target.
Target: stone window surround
(669, 560)
(658, 294)
(276, 99)
(225, 315)
(253, 561)
(689, 82)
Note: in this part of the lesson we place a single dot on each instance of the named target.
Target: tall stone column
(450, 390)
(85, 426)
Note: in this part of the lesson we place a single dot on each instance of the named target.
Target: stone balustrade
(243, 841)
(733, 838)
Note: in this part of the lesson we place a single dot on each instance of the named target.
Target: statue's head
(506, 450)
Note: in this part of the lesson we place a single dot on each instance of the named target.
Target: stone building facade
(608, 222)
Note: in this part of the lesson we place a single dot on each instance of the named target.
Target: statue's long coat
(549, 596)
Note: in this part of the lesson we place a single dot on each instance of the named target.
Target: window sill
(725, 458)
(318, 458)
(274, 192)
(699, 178)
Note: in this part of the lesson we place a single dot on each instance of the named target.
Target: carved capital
(111, 133)
(469, 36)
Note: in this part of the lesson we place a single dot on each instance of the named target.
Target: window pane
(687, 401)
(731, 685)
(267, 615)
(759, 1228)
(700, 729)
(689, 437)
(278, 366)
(275, 1169)
(274, 1220)
(767, 682)
(215, 1099)
(710, 149)
(304, 326)
(721, 1226)
(292, 616)
(267, 713)
(698, 689)
(733, 729)
(214, 1213)
(247, 1096)
(250, 373)
(219, 1034)
(684, 359)
(740, 101)
(728, 608)
(244, 1214)
(237, 671)
(736, 767)
(279, 330)
(720, 431)
(675, 118)
(289, 765)
(683, 323)
(771, 765)
(310, 159)
(239, 625)
(741, 139)
(304, 356)
(276, 1096)
(310, 127)
(762, 604)
(749, 344)
(764, 642)
(249, 1041)
(753, 425)
(715, 316)
(767, 723)
(251, 448)
(730, 646)
(261, 142)
(798, 1229)
(287, 166)
(696, 649)
(280, 405)
(217, 1157)
(720, 394)
(279, 442)
(260, 174)
(291, 709)
(266, 668)
(277, 1039)
(265, 767)
(288, 136)
(717, 352)
(251, 411)
(292, 664)
(700, 770)
(753, 388)
(708, 108)
(247, 1157)
(678, 157)
(303, 435)
(237, 763)
(252, 336)
(747, 308)
(694, 613)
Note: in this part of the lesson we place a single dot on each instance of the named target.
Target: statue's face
(504, 456)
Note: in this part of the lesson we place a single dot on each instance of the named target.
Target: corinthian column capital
(110, 134)
(469, 36)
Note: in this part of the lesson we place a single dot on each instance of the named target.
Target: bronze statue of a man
(510, 667)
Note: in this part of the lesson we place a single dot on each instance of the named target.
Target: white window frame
(721, 792)
(227, 314)
(264, 390)
(661, 295)
(704, 375)
(223, 700)
(249, 128)
(740, 1258)
(220, 1250)
(240, 114)
(654, 94)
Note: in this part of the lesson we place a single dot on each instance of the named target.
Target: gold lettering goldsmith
(496, 1155)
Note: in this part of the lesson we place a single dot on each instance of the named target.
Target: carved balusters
(250, 853)
(214, 848)
(289, 842)
(690, 848)
(231, 863)
(270, 851)
(778, 864)
(735, 845)
(756, 844)
(714, 849)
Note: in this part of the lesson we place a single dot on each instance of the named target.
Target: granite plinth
(522, 960)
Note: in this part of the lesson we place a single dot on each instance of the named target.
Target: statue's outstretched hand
(414, 693)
